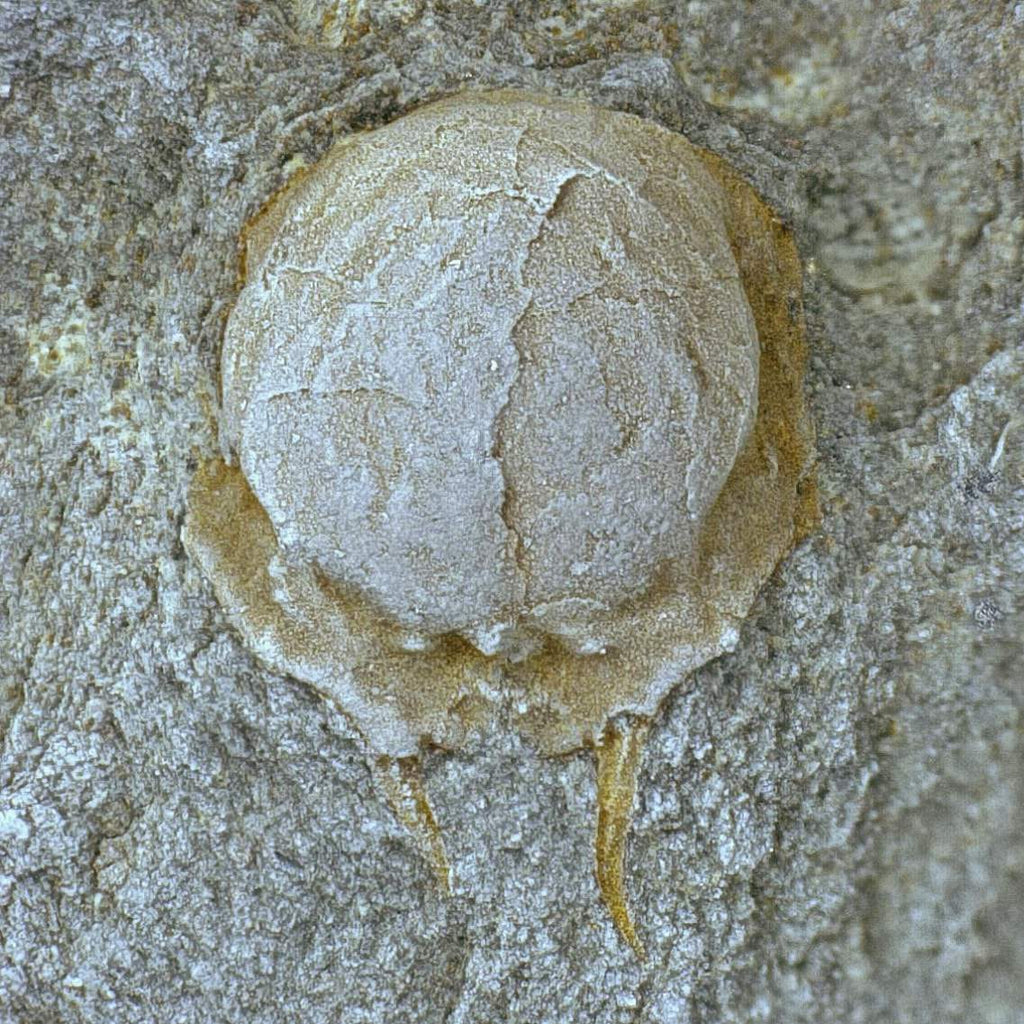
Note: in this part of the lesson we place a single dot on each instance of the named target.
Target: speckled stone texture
(830, 819)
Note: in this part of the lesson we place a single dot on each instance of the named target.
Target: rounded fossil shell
(512, 416)
(492, 366)
(511, 406)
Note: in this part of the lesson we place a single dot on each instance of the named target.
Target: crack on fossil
(357, 391)
(597, 171)
(553, 209)
(498, 445)
(629, 426)
(506, 511)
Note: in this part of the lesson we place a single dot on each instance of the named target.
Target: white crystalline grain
(492, 367)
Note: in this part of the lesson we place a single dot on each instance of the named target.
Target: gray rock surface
(829, 824)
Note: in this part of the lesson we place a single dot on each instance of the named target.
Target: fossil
(511, 413)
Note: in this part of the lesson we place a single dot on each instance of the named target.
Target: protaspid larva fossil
(511, 404)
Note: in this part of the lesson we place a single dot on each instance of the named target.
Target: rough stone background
(831, 820)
